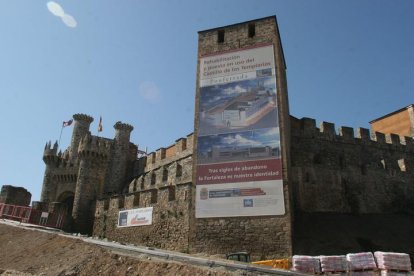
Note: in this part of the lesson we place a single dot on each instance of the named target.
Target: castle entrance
(67, 198)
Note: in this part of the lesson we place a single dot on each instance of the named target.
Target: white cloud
(55, 9)
(236, 89)
(149, 91)
(239, 140)
(58, 11)
(69, 20)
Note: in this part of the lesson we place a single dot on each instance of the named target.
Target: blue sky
(135, 61)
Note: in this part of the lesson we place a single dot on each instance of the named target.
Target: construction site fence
(27, 214)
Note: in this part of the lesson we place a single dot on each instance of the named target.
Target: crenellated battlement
(162, 156)
(83, 118)
(306, 127)
(123, 126)
(163, 197)
(350, 172)
(49, 150)
(50, 155)
(94, 146)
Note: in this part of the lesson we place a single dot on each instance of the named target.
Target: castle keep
(90, 168)
(337, 192)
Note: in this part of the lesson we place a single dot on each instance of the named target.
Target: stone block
(347, 133)
(328, 129)
(363, 134)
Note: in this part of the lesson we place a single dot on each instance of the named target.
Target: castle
(339, 192)
(91, 167)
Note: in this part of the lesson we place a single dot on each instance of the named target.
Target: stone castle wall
(164, 184)
(348, 173)
(339, 177)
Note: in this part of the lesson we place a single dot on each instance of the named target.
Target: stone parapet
(182, 148)
(123, 127)
(94, 146)
(351, 175)
(306, 127)
(170, 218)
(83, 118)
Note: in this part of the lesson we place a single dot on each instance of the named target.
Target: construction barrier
(279, 263)
(29, 215)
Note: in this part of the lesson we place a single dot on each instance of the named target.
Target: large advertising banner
(135, 217)
(239, 168)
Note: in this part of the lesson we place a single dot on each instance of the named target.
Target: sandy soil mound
(26, 252)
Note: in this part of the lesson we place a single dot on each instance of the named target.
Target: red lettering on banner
(244, 171)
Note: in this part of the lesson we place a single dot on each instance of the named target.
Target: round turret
(123, 127)
(120, 157)
(80, 129)
(93, 153)
(79, 117)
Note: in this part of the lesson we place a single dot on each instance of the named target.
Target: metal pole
(60, 136)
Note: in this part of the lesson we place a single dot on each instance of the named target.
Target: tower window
(154, 196)
(252, 30)
(136, 199)
(220, 36)
(142, 183)
(165, 175)
(121, 203)
(153, 178)
(171, 193)
(106, 205)
(179, 171)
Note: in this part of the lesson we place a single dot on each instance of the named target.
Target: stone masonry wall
(344, 173)
(264, 237)
(15, 195)
(170, 222)
(164, 184)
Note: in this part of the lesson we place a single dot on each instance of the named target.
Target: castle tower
(51, 159)
(80, 129)
(120, 157)
(93, 155)
(245, 57)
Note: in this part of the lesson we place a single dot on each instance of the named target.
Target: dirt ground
(31, 252)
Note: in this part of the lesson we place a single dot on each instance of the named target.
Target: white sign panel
(135, 217)
(235, 66)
